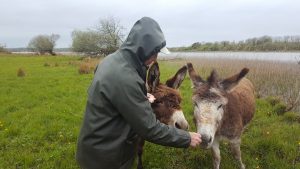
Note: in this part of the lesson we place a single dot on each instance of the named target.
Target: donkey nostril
(206, 139)
(210, 139)
(177, 126)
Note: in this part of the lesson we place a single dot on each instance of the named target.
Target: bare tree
(112, 33)
(43, 44)
(292, 102)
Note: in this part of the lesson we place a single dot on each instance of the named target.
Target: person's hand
(195, 139)
(150, 97)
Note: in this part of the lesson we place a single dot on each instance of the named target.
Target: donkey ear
(232, 81)
(213, 78)
(153, 77)
(196, 79)
(177, 79)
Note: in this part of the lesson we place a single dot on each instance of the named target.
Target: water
(273, 56)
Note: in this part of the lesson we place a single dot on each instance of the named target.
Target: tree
(196, 45)
(104, 38)
(88, 42)
(43, 44)
(2, 48)
(112, 33)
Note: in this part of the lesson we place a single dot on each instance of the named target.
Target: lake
(274, 56)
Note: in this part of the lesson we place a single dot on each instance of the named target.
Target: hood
(145, 39)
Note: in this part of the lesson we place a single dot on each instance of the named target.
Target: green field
(41, 114)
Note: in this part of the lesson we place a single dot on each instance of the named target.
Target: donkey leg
(235, 146)
(216, 154)
(140, 153)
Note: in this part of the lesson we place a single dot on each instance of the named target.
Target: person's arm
(134, 106)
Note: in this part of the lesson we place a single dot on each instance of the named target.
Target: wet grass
(41, 114)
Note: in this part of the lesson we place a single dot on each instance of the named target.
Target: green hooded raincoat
(117, 109)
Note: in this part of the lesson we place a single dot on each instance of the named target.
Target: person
(118, 111)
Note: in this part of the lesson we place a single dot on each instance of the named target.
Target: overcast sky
(182, 21)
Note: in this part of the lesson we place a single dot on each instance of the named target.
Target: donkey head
(167, 103)
(209, 98)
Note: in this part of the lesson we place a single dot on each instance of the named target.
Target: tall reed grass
(270, 78)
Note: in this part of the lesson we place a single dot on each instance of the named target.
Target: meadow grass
(41, 114)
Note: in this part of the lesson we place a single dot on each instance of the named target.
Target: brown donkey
(222, 108)
(167, 103)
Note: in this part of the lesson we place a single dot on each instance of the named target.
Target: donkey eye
(158, 102)
(220, 106)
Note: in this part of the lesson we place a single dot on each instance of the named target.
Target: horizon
(273, 37)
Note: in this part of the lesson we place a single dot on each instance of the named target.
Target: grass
(41, 114)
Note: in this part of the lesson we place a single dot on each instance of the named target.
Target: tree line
(264, 43)
(107, 35)
(102, 39)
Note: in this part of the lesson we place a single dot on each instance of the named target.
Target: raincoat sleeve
(130, 100)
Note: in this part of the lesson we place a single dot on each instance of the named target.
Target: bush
(3, 49)
(46, 64)
(86, 68)
(292, 117)
(279, 108)
(43, 44)
(273, 100)
(21, 72)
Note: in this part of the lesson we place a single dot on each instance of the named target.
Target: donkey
(222, 108)
(167, 103)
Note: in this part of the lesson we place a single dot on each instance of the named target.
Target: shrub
(43, 44)
(86, 68)
(21, 72)
(273, 100)
(46, 64)
(56, 64)
(2, 49)
(292, 117)
(279, 108)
